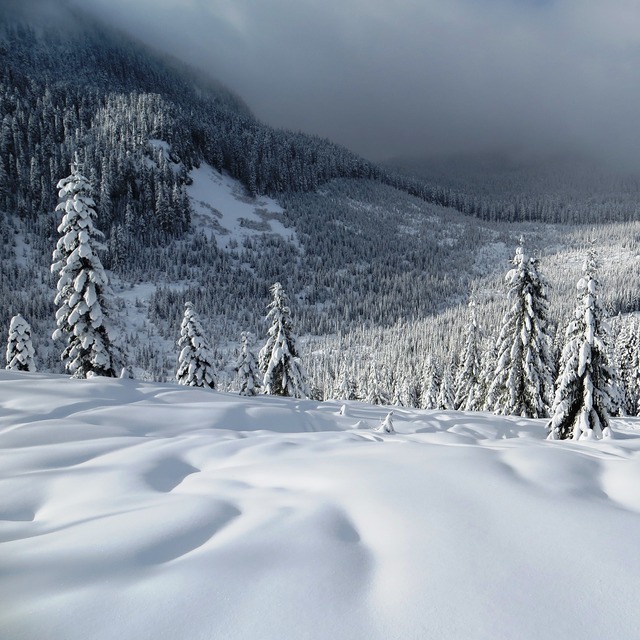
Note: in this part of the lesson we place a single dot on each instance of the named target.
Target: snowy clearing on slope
(137, 510)
(222, 207)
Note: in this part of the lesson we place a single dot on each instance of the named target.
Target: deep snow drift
(133, 510)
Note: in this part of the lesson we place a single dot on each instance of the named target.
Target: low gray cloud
(417, 77)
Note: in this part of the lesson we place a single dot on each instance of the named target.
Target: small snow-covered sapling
(387, 424)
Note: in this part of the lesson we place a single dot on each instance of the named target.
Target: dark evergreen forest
(384, 259)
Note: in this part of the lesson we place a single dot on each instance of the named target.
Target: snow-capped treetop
(76, 185)
(79, 237)
(279, 306)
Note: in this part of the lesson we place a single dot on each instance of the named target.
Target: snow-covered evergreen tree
(467, 381)
(283, 372)
(430, 385)
(84, 298)
(627, 352)
(585, 395)
(376, 394)
(126, 373)
(346, 388)
(409, 393)
(487, 371)
(248, 374)
(397, 399)
(523, 381)
(446, 394)
(195, 362)
(20, 353)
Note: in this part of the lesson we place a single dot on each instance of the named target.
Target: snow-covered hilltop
(136, 510)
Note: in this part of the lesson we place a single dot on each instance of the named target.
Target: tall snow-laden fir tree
(523, 380)
(397, 399)
(430, 385)
(627, 352)
(467, 381)
(84, 298)
(283, 372)
(20, 353)
(487, 369)
(195, 362)
(346, 388)
(409, 392)
(248, 373)
(446, 394)
(585, 395)
(376, 393)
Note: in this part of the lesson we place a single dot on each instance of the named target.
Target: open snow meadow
(137, 510)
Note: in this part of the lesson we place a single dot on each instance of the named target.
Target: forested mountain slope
(180, 167)
(76, 86)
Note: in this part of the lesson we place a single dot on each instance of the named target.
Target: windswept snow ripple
(133, 510)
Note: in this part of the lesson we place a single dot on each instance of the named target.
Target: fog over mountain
(416, 77)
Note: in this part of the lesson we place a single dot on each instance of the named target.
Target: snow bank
(135, 510)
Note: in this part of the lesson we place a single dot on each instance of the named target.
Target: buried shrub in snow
(386, 425)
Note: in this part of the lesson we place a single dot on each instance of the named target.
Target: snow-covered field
(133, 510)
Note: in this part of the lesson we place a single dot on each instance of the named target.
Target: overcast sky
(417, 77)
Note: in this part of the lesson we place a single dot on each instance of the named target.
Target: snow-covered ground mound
(132, 510)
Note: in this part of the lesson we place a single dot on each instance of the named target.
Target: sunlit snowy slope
(132, 510)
